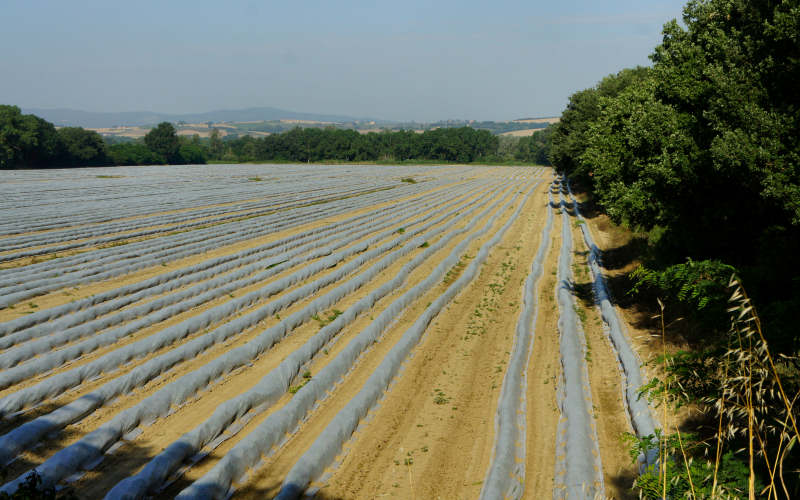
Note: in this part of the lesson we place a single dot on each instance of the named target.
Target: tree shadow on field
(623, 482)
(93, 482)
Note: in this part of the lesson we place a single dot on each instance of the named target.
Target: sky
(399, 60)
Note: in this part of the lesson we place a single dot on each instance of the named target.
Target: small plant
(425, 245)
(409, 180)
(581, 314)
(401, 230)
(440, 398)
(255, 179)
(334, 314)
(293, 390)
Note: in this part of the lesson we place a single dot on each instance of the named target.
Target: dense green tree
(27, 140)
(164, 141)
(536, 148)
(702, 151)
(216, 148)
(463, 144)
(571, 134)
(134, 153)
(82, 147)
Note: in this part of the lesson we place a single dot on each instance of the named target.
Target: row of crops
(174, 331)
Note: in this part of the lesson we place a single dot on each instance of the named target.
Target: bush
(134, 153)
(696, 289)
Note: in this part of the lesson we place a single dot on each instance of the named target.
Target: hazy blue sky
(401, 60)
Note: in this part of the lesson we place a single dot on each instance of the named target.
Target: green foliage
(686, 460)
(536, 148)
(27, 140)
(571, 133)
(702, 151)
(216, 148)
(462, 145)
(83, 147)
(134, 153)
(191, 153)
(695, 288)
(163, 140)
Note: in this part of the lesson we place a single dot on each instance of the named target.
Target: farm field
(352, 332)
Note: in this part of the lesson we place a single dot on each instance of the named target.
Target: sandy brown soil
(544, 371)
(433, 433)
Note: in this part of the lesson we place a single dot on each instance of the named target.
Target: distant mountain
(89, 119)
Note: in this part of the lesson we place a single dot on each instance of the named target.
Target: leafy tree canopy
(164, 141)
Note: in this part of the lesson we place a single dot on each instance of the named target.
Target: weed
(409, 180)
(581, 314)
(293, 390)
(334, 314)
(425, 245)
(401, 230)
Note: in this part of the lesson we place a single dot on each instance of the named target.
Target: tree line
(700, 154)
(28, 141)
(461, 145)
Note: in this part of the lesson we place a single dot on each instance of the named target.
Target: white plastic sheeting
(506, 475)
(91, 446)
(117, 298)
(579, 473)
(641, 418)
(144, 315)
(325, 448)
(261, 396)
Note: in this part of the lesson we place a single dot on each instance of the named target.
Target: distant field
(552, 119)
(522, 133)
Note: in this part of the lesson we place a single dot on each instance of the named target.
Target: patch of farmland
(269, 330)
